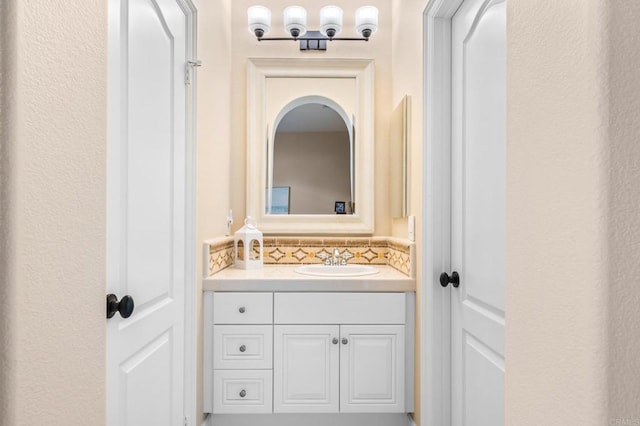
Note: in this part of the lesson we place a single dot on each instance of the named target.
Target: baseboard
(208, 421)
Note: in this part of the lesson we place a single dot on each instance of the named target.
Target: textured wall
(572, 213)
(623, 276)
(53, 204)
(556, 214)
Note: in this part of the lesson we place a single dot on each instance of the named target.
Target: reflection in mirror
(312, 162)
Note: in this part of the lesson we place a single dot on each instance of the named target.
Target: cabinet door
(306, 368)
(372, 369)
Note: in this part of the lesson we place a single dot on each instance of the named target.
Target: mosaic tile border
(396, 253)
(218, 254)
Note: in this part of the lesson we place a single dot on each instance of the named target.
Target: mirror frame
(259, 133)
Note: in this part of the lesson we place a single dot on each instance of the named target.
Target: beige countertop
(283, 278)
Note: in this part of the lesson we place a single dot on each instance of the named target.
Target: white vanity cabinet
(321, 352)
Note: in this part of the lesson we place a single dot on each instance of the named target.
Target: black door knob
(454, 279)
(125, 306)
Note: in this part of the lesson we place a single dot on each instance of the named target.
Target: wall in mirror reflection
(312, 163)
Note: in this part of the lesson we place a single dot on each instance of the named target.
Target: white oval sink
(336, 271)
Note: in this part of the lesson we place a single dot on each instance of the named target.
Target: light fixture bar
(313, 38)
(295, 22)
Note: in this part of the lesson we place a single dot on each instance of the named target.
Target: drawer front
(242, 391)
(242, 346)
(243, 308)
(340, 308)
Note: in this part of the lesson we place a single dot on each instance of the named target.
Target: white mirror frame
(258, 130)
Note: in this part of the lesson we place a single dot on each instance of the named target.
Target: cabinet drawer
(242, 346)
(339, 308)
(243, 308)
(242, 391)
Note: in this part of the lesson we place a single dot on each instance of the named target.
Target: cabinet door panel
(372, 369)
(306, 369)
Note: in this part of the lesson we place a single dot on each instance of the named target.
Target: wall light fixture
(295, 23)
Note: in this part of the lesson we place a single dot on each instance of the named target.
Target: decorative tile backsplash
(219, 254)
(304, 250)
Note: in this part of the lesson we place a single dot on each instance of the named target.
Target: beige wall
(407, 72)
(378, 48)
(572, 213)
(623, 243)
(557, 189)
(52, 170)
(214, 140)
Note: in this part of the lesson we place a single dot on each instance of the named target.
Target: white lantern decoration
(247, 243)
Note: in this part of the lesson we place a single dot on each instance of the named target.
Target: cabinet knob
(344, 341)
(335, 341)
(243, 348)
(243, 393)
(241, 310)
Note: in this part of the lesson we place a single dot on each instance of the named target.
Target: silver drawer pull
(243, 393)
(241, 310)
(335, 341)
(243, 348)
(344, 341)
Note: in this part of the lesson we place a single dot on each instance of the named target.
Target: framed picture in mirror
(280, 200)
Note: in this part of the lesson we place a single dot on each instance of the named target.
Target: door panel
(146, 211)
(478, 211)
(149, 361)
(306, 369)
(372, 369)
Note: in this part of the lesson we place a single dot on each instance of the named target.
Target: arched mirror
(310, 145)
(312, 161)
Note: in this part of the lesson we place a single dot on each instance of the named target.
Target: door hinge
(188, 70)
(186, 421)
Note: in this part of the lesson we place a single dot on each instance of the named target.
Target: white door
(478, 212)
(372, 369)
(306, 368)
(146, 203)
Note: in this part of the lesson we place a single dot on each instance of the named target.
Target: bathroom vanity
(276, 341)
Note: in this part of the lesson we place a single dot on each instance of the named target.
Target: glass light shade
(367, 20)
(295, 20)
(330, 21)
(259, 18)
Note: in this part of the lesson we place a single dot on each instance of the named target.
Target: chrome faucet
(336, 259)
